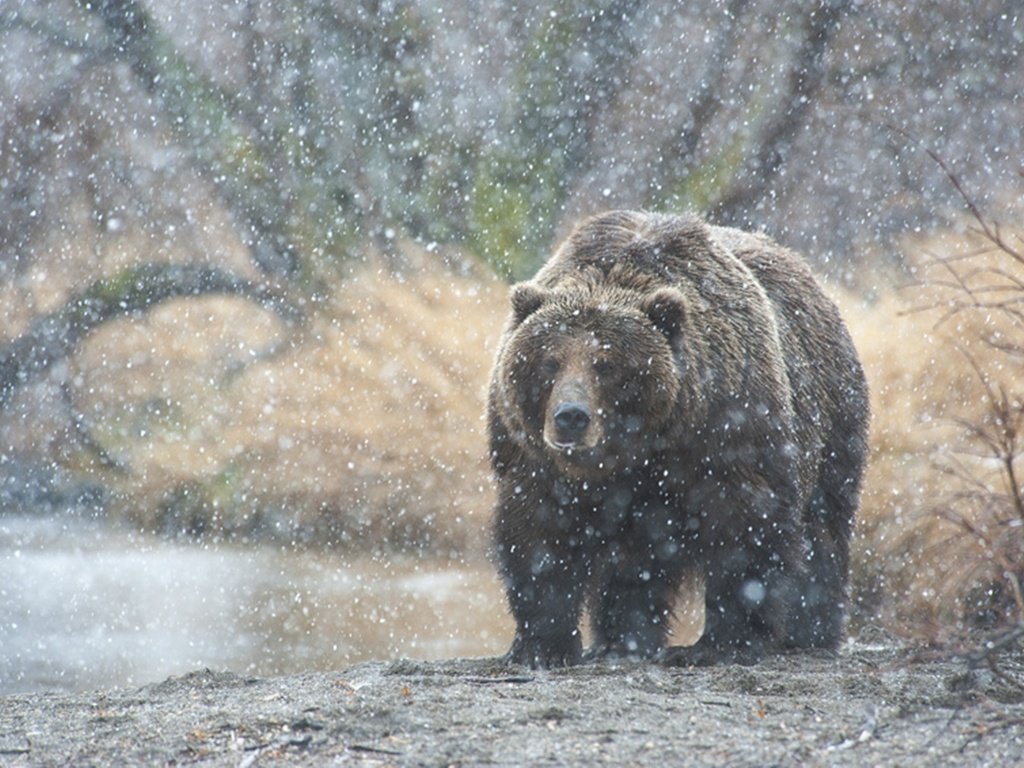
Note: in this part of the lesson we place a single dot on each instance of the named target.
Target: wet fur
(732, 442)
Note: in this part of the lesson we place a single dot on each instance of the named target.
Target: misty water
(83, 607)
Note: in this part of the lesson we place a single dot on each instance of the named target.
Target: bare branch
(53, 337)
(989, 229)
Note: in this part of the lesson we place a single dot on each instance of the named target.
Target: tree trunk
(207, 120)
(806, 74)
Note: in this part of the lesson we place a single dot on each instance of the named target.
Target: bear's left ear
(526, 299)
(667, 309)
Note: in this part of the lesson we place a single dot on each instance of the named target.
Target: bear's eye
(549, 368)
(604, 368)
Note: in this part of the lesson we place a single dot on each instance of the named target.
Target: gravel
(870, 704)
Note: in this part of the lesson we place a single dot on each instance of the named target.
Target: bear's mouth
(567, 448)
(579, 459)
(570, 449)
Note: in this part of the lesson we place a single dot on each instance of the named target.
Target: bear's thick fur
(674, 400)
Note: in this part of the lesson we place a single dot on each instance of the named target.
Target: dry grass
(920, 561)
(367, 424)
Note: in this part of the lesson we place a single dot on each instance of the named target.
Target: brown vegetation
(940, 528)
(211, 416)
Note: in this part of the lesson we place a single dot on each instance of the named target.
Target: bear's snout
(571, 422)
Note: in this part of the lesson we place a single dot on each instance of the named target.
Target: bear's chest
(625, 507)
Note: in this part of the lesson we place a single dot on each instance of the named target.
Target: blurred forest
(252, 254)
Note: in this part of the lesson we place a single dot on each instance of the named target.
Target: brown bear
(674, 400)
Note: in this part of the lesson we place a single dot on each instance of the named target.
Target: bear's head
(591, 377)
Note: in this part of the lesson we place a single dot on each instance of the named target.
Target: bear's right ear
(667, 309)
(526, 299)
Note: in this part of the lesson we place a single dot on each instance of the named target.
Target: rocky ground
(872, 704)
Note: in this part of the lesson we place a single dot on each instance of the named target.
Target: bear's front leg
(544, 573)
(545, 598)
(631, 611)
(748, 541)
(635, 585)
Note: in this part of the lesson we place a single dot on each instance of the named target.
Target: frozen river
(82, 607)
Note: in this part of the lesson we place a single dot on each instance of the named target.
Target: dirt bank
(870, 705)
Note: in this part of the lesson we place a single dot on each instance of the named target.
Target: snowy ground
(870, 705)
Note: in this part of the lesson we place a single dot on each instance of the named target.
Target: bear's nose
(571, 421)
